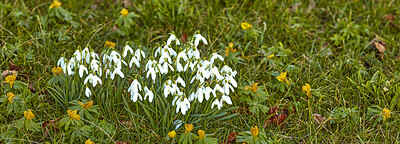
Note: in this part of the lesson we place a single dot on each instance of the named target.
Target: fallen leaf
(184, 38)
(276, 118)
(14, 67)
(318, 118)
(380, 46)
(127, 3)
(9, 72)
(389, 18)
(230, 139)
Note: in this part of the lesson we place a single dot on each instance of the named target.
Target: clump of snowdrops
(171, 79)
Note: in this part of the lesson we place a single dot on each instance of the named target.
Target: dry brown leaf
(318, 118)
(277, 118)
(121, 142)
(127, 3)
(231, 138)
(9, 72)
(381, 47)
(184, 38)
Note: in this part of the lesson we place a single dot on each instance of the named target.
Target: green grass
(347, 75)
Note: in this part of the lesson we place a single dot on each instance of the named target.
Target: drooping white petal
(180, 80)
(199, 37)
(88, 92)
(134, 61)
(82, 69)
(127, 49)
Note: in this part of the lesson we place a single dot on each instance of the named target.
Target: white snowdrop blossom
(173, 71)
(88, 92)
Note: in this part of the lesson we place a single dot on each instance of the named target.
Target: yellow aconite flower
(124, 12)
(271, 56)
(57, 70)
(253, 87)
(246, 26)
(10, 79)
(10, 97)
(254, 131)
(73, 115)
(188, 127)
(172, 134)
(55, 4)
(229, 49)
(88, 104)
(29, 115)
(283, 78)
(307, 88)
(201, 134)
(89, 142)
(386, 114)
(110, 44)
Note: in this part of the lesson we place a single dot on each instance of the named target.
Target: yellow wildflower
(10, 97)
(230, 45)
(229, 49)
(10, 79)
(110, 44)
(283, 78)
(57, 70)
(246, 26)
(73, 115)
(88, 104)
(253, 87)
(188, 127)
(201, 134)
(254, 131)
(307, 88)
(386, 114)
(55, 4)
(29, 115)
(271, 56)
(172, 134)
(89, 142)
(124, 12)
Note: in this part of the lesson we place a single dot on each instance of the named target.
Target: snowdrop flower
(207, 92)
(78, 55)
(171, 38)
(167, 90)
(183, 105)
(227, 86)
(180, 80)
(61, 63)
(139, 53)
(216, 102)
(134, 61)
(82, 69)
(218, 88)
(118, 72)
(148, 93)
(94, 55)
(198, 38)
(93, 79)
(94, 65)
(226, 99)
(86, 55)
(169, 50)
(134, 90)
(88, 92)
(127, 49)
(165, 68)
(165, 58)
(200, 93)
(214, 56)
(115, 56)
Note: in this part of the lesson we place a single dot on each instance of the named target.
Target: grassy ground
(331, 45)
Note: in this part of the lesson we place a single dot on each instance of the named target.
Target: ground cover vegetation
(224, 71)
